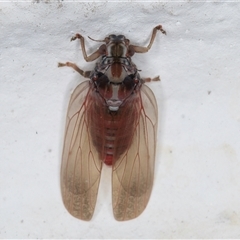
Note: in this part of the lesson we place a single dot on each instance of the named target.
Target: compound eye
(112, 37)
(120, 37)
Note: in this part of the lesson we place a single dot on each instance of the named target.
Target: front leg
(139, 49)
(93, 56)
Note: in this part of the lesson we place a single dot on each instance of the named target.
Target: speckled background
(196, 189)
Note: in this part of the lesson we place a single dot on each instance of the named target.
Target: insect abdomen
(111, 133)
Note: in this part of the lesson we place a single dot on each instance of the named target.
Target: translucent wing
(132, 177)
(81, 168)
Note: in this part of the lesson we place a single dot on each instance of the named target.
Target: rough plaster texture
(197, 180)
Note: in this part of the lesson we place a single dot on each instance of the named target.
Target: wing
(133, 173)
(81, 168)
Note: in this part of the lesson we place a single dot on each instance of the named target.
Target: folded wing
(133, 172)
(81, 168)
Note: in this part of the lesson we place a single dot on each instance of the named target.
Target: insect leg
(76, 68)
(151, 79)
(139, 49)
(93, 56)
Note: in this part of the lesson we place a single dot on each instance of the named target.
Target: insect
(111, 119)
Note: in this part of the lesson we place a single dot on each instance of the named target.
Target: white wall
(197, 182)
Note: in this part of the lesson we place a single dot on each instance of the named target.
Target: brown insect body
(111, 131)
(115, 80)
(112, 119)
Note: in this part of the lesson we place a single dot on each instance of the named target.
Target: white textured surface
(197, 182)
